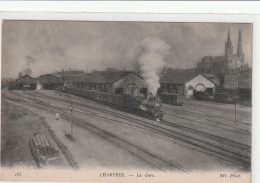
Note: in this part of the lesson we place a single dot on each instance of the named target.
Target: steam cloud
(27, 70)
(151, 62)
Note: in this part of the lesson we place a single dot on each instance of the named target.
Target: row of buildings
(127, 82)
(46, 82)
(235, 87)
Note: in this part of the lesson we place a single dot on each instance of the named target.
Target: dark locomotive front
(152, 107)
(149, 107)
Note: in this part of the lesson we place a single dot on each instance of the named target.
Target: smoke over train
(150, 63)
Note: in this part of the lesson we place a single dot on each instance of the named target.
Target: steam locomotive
(149, 107)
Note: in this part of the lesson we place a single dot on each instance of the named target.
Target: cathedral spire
(228, 46)
(228, 38)
(239, 35)
(239, 46)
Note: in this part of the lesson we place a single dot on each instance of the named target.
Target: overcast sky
(53, 45)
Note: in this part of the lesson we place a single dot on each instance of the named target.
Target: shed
(121, 82)
(49, 82)
(26, 83)
(200, 83)
(174, 82)
(69, 79)
(182, 82)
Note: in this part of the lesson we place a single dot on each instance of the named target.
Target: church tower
(240, 53)
(228, 47)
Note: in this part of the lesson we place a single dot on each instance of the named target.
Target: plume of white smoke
(151, 62)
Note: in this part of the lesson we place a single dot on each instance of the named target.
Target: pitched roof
(210, 78)
(103, 77)
(49, 78)
(209, 75)
(72, 77)
(177, 77)
(26, 80)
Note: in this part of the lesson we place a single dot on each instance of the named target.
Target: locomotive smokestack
(152, 62)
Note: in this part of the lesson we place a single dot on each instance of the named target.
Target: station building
(174, 82)
(49, 82)
(181, 82)
(200, 83)
(25, 83)
(125, 82)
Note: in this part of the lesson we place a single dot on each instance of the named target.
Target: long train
(220, 97)
(149, 107)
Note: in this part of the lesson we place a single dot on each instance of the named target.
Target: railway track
(197, 119)
(228, 122)
(103, 110)
(193, 120)
(148, 157)
(202, 114)
(217, 146)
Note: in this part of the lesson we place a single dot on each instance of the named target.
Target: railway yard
(199, 135)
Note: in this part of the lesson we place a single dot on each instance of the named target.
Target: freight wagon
(149, 107)
(170, 98)
(223, 98)
(200, 95)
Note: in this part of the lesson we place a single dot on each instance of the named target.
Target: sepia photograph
(127, 99)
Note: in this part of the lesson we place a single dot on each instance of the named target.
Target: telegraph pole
(11, 87)
(71, 127)
(69, 135)
(235, 111)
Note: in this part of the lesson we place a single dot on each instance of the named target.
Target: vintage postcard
(104, 101)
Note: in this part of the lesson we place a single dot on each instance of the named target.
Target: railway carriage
(91, 94)
(110, 99)
(105, 97)
(200, 95)
(223, 98)
(98, 97)
(170, 98)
